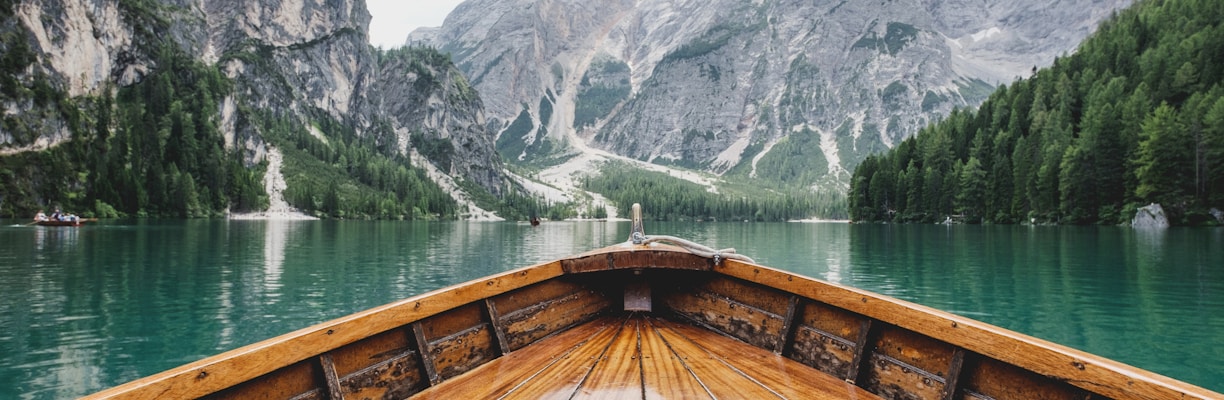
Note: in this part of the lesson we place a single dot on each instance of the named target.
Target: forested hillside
(665, 197)
(152, 148)
(148, 109)
(1135, 116)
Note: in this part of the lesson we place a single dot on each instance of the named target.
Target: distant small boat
(77, 222)
(648, 320)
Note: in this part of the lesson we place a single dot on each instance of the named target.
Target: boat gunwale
(195, 379)
(1091, 372)
(1085, 370)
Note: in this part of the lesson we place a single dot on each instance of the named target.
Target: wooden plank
(463, 351)
(425, 354)
(862, 352)
(231, 368)
(503, 347)
(382, 366)
(997, 380)
(292, 381)
(905, 364)
(718, 379)
(831, 320)
(1058, 363)
(788, 325)
(763, 298)
(511, 302)
(375, 349)
(452, 321)
(329, 376)
(664, 375)
(618, 374)
(500, 376)
(395, 378)
(729, 316)
(530, 324)
(561, 379)
(825, 352)
(785, 377)
(954, 373)
(652, 257)
(893, 379)
(459, 339)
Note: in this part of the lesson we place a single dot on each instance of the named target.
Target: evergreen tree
(1163, 161)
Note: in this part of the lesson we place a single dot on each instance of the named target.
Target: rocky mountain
(789, 91)
(308, 62)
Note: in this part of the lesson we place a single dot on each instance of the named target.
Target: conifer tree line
(1135, 116)
(150, 149)
(353, 176)
(668, 198)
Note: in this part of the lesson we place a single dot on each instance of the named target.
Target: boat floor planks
(638, 356)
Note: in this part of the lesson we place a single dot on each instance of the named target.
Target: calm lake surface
(82, 309)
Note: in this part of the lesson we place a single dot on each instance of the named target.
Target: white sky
(394, 19)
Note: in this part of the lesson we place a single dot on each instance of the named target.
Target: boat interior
(615, 325)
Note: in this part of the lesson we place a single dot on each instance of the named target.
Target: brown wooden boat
(77, 222)
(655, 321)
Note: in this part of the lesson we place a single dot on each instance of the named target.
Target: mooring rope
(698, 249)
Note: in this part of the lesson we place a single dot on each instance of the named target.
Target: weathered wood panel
(831, 320)
(997, 380)
(636, 258)
(765, 299)
(452, 321)
(529, 324)
(892, 379)
(376, 349)
(516, 300)
(825, 352)
(750, 324)
(394, 378)
(302, 380)
(908, 365)
(464, 350)
(825, 338)
(502, 375)
(459, 339)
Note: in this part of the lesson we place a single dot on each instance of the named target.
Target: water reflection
(276, 237)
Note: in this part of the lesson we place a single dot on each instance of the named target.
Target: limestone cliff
(307, 61)
(745, 86)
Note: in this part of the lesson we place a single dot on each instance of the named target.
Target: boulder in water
(1151, 216)
(1219, 215)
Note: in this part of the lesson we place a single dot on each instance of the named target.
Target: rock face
(424, 94)
(1151, 216)
(305, 60)
(717, 85)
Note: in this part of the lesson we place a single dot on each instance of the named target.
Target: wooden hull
(61, 223)
(655, 322)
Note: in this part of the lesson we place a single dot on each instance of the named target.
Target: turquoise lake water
(87, 308)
